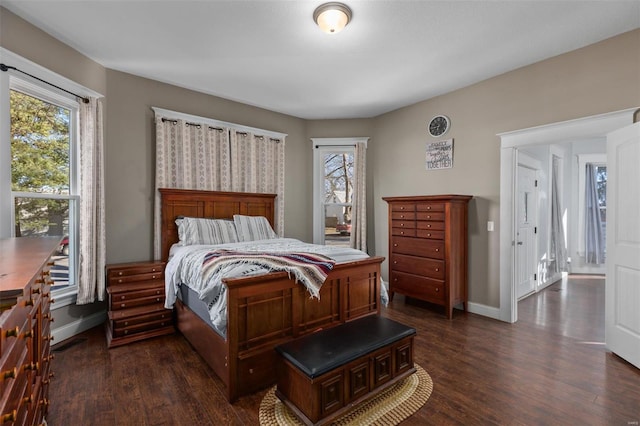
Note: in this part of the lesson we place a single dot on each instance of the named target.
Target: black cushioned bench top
(325, 350)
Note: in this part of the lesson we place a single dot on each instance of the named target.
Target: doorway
(587, 128)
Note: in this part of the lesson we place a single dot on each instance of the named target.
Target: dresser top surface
(414, 198)
(22, 258)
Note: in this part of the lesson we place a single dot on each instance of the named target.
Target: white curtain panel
(558, 248)
(189, 156)
(91, 284)
(257, 165)
(359, 210)
(594, 237)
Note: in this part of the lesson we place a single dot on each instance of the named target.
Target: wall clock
(439, 125)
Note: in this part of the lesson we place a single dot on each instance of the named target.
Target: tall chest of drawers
(428, 248)
(25, 329)
(136, 302)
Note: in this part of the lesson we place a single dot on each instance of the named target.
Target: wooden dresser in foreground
(136, 302)
(428, 248)
(25, 331)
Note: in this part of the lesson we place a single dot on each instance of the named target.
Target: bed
(266, 310)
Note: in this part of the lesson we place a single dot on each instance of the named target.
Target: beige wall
(597, 79)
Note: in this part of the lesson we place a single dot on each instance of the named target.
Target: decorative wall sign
(439, 155)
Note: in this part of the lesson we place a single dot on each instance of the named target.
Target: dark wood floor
(551, 367)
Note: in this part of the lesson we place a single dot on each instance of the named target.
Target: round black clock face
(438, 125)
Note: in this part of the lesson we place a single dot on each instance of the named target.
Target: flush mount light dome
(332, 17)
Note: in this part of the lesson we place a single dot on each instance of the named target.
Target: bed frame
(267, 310)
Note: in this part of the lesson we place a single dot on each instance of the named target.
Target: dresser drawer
(139, 328)
(150, 276)
(403, 216)
(403, 207)
(138, 310)
(430, 216)
(418, 247)
(430, 207)
(123, 271)
(139, 301)
(430, 268)
(422, 288)
(430, 225)
(427, 233)
(129, 296)
(407, 232)
(142, 319)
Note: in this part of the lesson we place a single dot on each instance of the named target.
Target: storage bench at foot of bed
(322, 375)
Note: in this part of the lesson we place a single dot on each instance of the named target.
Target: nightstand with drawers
(136, 302)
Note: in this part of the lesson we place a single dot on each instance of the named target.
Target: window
(334, 180)
(599, 161)
(39, 194)
(601, 189)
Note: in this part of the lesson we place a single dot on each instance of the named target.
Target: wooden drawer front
(137, 269)
(403, 232)
(117, 298)
(418, 265)
(422, 288)
(139, 277)
(139, 328)
(430, 207)
(427, 233)
(358, 376)
(418, 247)
(13, 379)
(139, 301)
(331, 394)
(142, 319)
(430, 225)
(138, 310)
(407, 224)
(403, 216)
(403, 356)
(430, 216)
(403, 207)
(382, 367)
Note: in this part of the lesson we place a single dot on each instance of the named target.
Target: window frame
(22, 83)
(322, 146)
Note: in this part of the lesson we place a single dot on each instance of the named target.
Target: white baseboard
(76, 327)
(484, 310)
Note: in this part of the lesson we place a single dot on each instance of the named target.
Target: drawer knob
(428, 216)
(153, 277)
(49, 338)
(119, 281)
(251, 371)
(123, 305)
(9, 417)
(157, 299)
(10, 374)
(401, 216)
(44, 402)
(428, 207)
(120, 273)
(402, 208)
(437, 250)
(401, 232)
(126, 323)
(153, 269)
(27, 399)
(402, 224)
(437, 289)
(35, 290)
(50, 357)
(395, 244)
(31, 366)
(28, 334)
(395, 262)
(52, 301)
(13, 332)
(428, 234)
(429, 225)
(122, 297)
(46, 273)
(395, 280)
(28, 303)
(437, 269)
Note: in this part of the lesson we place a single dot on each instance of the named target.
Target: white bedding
(185, 267)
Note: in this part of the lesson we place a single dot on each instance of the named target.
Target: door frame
(565, 131)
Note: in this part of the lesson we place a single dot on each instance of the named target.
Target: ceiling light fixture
(332, 17)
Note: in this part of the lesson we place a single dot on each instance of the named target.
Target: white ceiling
(270, 53)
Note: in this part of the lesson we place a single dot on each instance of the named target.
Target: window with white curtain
(600, 162)
(40, 192)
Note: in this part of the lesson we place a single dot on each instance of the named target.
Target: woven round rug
(389, 407)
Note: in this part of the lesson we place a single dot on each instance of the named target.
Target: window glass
(338, 196)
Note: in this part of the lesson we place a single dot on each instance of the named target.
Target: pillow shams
(194, 230)
(252, 228)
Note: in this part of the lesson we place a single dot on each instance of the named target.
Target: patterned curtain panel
(257, 165)
(91, 284)
(359, 210)
(189, 156)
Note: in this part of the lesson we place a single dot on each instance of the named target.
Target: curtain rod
(6, 68)
(198, 125)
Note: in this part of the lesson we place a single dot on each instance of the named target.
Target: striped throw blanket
(311, 269)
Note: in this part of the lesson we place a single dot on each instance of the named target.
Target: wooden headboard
(209, 204)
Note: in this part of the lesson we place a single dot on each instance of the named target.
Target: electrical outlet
(490, 226)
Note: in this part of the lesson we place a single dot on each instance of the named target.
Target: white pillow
(195, 230)
(252, 228)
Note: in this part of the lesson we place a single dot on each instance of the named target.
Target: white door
(525, 235)
(622, 312)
